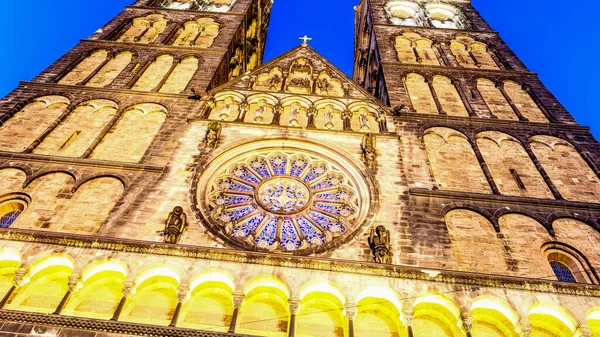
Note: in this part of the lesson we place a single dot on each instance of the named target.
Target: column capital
(183, 293)
(407, 317)
(524, 327)
(74, 284)
(583, 331)
(294, 306)
(467, 322)
(350, 311)
(237, 300)
(128, 289)
(20, 277)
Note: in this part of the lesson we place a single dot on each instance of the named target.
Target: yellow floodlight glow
(440, 300)
(213, 276)
(594, 314)
(497, 305)
(8, 254)
(323, 287)
(102, 266)
(51, 261)
(161, 271)
(380, 292)
(267, 281)
(556, 312)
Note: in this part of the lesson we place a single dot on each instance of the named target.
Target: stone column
(525, 327)
(294, 308)
(407, 318)
(127, 291)
(435, 97)
(543, 173)
(464, 98)
(237, 303)
(244, 106)
(351, 315)
(18, 281)
(584, 331)
(442, 55)
(347, 119)
(166, 76)
(113, 121)
(311, 114)
(539, 103)
(97, 70)
(382, 121)
(500, 87)
(484, 167)
(50, 128)
(277, 111)
(467, 322)
(72, 287)
(183, 293)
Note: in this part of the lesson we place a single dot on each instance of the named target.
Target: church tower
(160, 180)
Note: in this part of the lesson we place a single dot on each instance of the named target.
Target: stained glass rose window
(280, 200)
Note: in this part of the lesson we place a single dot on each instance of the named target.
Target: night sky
(554, 39)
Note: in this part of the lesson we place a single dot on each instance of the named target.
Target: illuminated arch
(265, 309)
(405, 13)
(378, 313)
(493, 316)
(436, 316)
(593, 320)
(227, 106)
(47, 281)
(155, 296)
(104, 277)
(321, 311)
(294, 111)
(10, 261)
(549, 319)
(210, 303)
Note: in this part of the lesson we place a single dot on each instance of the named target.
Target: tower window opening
(562, 272)
(517, 179)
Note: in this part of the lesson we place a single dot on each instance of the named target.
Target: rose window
(282, 201)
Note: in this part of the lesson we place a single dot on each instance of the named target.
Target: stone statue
(275, 82)
(368, 148)
(328, 117)
(213, 132)
(323, 86)
(260, 112)
(175, 225)
(379, 241)
(364, 122)
(294, 115)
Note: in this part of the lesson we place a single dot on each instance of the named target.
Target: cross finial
(305, 40)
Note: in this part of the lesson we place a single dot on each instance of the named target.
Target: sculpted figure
(275, 82)
(260, 112)
(368, 148)
(364, 122)
(379, 241)
(328, 117)
(294, 115)
(175, 225)
(213, 132)
(323, 86)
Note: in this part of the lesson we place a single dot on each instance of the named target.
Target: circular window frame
(354, 170)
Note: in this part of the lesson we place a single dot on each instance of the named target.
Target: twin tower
(160, 180)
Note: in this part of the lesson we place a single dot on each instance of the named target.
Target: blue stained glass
(315, 172)
(278, 164)
(248, 226)
(334, 209)
(244, 174)
(266, 237)
(260, 166)
(9, 218)
(335, 196)
(326, 222)
(233, 186)
(298, 166)
(235, 214)
(289, 238)
(562, 272)
(309, 231)
(232, 200)
(329, 182)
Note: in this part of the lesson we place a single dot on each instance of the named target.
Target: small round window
(10, 210)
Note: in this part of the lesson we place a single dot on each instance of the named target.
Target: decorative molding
(460, 70)
(434, 29)
(82, 162)
(109, 326)
(71, 88)
(163, 47)
(152, 8)
(297, 262)
(504, 199)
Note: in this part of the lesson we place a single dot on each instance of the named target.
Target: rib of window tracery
(284, 201)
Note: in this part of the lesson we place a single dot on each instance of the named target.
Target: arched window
(197, 5)
(10, 211)
(446, 16)
(568, 264)
(200, 33)
(144, 29)
(405, 13)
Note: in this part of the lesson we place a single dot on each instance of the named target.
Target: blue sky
(554, 39)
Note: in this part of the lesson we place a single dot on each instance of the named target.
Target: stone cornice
(504, 199)
(161, 47)
(105, 325)
(434, 29)
(58, 87)
(300, 262)
(296, 128)
(480, 122)
(81, 162)
(197, 13)
(461, 70)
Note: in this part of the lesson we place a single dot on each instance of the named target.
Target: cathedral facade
(160, 180)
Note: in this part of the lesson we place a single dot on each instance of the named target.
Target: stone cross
(305, 40)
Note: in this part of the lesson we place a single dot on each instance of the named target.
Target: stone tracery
(283, 200)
